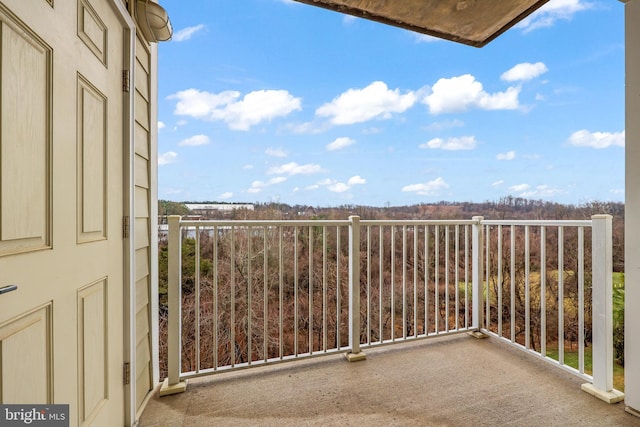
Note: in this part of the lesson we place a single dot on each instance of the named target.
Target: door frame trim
(129, 295)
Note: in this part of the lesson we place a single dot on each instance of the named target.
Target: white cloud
(525, 71)
(161, 125)
(461, 93)
(361, 105)
(462, 143)
(356, 180)
(247, 167)
(275, 152)
(584, 138)
(509, 155)
(520, 187)
(239, 114)
(166, 158)
(430, 188)
(340, 143)
(338, 187)
(257, 186)
(447, 124)
(195, 141)
(225, 196)
(541, 191)
(425, 38)
(348, 19)
(277, 180)
(498, 183)
(186, 33)
(294, 168)
(551, 12)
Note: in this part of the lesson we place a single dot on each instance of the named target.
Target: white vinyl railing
(247, 293)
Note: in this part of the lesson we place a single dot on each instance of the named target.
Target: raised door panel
(93, 349)
(25, 138)
(91, 162)
(26, 358)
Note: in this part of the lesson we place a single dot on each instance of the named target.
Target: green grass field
(571, 359)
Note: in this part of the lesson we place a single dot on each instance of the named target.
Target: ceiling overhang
(472, 22)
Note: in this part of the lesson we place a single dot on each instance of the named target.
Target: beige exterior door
(61, 207)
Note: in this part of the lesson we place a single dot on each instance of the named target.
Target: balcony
(403, 295)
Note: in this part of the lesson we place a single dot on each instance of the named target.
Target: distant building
(213, 208)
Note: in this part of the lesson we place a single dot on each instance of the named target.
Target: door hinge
(125, 227)
(126, 83)
(126, 373)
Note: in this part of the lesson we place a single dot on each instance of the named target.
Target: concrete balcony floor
(452, 381)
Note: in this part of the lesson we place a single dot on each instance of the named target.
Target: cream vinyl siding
(142, 209)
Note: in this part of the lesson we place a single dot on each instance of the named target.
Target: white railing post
(477, 264)
(602, 311)
(354, 290)
(172, 384)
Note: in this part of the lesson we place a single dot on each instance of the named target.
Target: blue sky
(273, 100)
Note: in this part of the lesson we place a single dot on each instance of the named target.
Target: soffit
(472, 22)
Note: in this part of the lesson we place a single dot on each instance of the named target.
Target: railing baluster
(466, 276)
(437, 277)
(295, 291)
(457, 273)
(561, 295)
(265, 296)
(487, 318)
(581, 300)
(426, 280)
(310, 320)
(197, 297)
(512, 277)
(232, 342)
(500, 280)
(368, 284)
(543, 291)
(415, 280)
(393, 279)
(527, 285)
(446, 278)
(324, 289)
(381, 282)
(249, 297)
(280, 292)
(216, 284)
(404, 282)
(338, 289)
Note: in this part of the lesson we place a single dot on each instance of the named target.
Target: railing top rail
(265, 223)
(418, 222)
(538, 223)
(338, 223)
